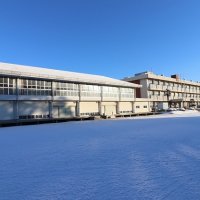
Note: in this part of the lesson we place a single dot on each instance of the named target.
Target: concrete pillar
(100, 107)
(16, 109)
(133, 110)
(50, 109)
(78, 109)
(53, 89)
(117, 107)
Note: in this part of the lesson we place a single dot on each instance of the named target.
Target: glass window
(35, 87)
(7, 86)
(66, 89)
(90, 91)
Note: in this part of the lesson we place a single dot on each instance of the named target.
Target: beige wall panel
(89, 107)
(141, 107)
(108, 103)
(125, 106)
(109, 108)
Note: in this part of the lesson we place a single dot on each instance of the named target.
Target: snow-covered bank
(171, 114)
(102, 160)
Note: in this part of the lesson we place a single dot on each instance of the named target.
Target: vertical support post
(117, 107)
(100, 107)
(16, 102)
(50, 109)
(133, 110)
(149, 107)
(78, 108)
(53, 89)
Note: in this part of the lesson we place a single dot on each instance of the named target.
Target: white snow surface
(171, 114)
(148, 158)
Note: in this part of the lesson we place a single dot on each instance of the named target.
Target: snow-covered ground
(171, 114)
(143, 159)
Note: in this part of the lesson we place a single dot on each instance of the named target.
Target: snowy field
(124, 159)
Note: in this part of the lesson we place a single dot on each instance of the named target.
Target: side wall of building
(32, 98)
(6, 110)
(142, 105)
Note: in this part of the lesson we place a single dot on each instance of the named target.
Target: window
(66, 89)
(7, 86)
(90, 91)
(137, 106)
(35, 87)
(127, 92)
(112, 92)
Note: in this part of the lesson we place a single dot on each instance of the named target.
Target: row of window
(173, 94)
(35, 84)
(172, 84)
(90, 91)
(7, 86)
(7, 82)
(44, 88)
(34, 92)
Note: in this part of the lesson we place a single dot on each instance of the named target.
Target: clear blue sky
(116, 38)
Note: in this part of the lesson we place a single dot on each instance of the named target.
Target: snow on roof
(38, 72)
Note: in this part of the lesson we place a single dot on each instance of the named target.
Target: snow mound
(180, 112)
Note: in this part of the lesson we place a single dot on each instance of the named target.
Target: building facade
(164, 92)
(39, 93)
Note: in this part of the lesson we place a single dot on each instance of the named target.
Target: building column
(100, 107)
(77, 108)
(117, 107)
(50, 109)
(53, 90)
(133, 110)
(16, 109)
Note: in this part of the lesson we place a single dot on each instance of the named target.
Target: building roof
(44, 73)
(151, 75)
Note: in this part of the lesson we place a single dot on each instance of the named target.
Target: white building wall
(64, 109)
(33, 108)
(163, 105)
(6, 110)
